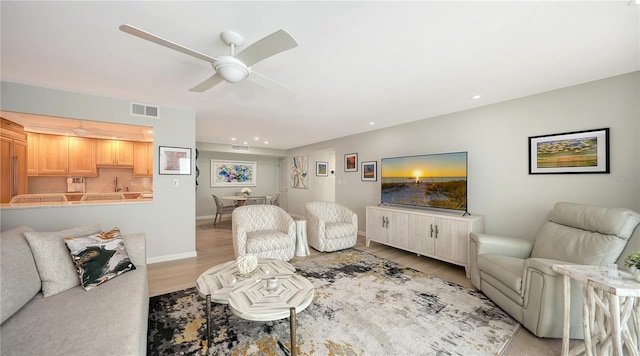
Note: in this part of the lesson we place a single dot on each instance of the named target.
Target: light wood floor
(214, 246)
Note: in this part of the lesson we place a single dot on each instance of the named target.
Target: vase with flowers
(246, 192)
(633, 262)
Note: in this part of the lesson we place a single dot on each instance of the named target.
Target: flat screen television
(427, 181)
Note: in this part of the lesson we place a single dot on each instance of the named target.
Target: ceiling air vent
(239, 148)
(145, 110)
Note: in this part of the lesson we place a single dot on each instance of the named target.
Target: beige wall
(168, 221)
(496, 137)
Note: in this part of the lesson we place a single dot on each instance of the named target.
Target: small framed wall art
(175, 160)
(322, 169)
(351, 162)
(570, 152)
(369, 171)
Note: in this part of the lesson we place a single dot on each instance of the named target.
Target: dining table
(240, 200)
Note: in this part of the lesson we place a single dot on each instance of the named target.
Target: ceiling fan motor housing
(230, 69)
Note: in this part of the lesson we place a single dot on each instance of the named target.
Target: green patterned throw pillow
(99, 258)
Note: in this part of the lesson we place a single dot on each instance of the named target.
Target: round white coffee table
(248, 296)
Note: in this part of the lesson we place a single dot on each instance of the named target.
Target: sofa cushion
(55, 266)
(19, 276)
(99, 258)
(110, 320)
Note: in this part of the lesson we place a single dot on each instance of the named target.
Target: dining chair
(256, 199)
(221, 209)
(275, 200)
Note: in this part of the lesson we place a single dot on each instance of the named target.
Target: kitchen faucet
(115, 183)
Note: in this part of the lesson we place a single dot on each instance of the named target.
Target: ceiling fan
(83, 131)
(232, 68)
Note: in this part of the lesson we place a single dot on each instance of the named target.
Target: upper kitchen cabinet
(32, 153)
(13, 160)
(63, 156)
(82, 157)
(114, 153)
(143, 159)
(53, 155)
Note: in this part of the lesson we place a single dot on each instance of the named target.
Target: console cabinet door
(421, 229)
(398, 232)
(452, 240)
(376, 225)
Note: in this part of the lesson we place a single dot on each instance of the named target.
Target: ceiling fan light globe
(231, 69)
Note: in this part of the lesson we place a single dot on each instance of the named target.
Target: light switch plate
(176, 183)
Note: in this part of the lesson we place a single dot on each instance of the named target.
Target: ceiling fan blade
(166, 43)
(207, 83)
(273, 44)
(270, 84)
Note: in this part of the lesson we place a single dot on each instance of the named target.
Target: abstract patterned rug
(363, 305)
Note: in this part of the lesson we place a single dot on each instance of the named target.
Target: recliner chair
(517, 274)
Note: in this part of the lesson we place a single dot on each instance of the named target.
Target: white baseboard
(166, 258)
(205, 217)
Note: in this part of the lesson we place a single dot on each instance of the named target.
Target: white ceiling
(357, 62)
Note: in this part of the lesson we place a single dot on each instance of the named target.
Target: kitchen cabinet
(32, 153)
(13, 160)
(438, 235)
(53, 152)
(82, 157)
(114, 153)
(143, 159)
(62, 156)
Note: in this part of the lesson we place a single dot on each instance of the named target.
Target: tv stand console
(438, 235)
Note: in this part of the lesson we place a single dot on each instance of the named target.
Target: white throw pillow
(55, 265)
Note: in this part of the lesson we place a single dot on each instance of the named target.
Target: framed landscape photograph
(322, 169)
(233, 173)
(570, 152)
(175, 160)
(351, 162)
(369, 171)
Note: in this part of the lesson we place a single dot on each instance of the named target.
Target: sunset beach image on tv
(436, 180)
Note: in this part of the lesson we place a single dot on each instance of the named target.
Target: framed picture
(570, 152)
(175, 160)
(299, 172)
(351, 162)
(322, 169)
(233, 173)
(369, 171)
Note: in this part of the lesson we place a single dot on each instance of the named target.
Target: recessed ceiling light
(245, 143)
(256, 138)
(476, 97)
(233, 139)
(372, 123)
(266, 142)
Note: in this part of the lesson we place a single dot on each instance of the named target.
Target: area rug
(363, 305)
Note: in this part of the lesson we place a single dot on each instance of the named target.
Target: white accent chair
(517, 274)
(266, 231)
(330, 226)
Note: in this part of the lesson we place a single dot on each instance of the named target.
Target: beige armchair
(266, 231)
(330, 226)
(517, 274)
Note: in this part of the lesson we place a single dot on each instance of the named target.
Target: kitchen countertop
(81, 203)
